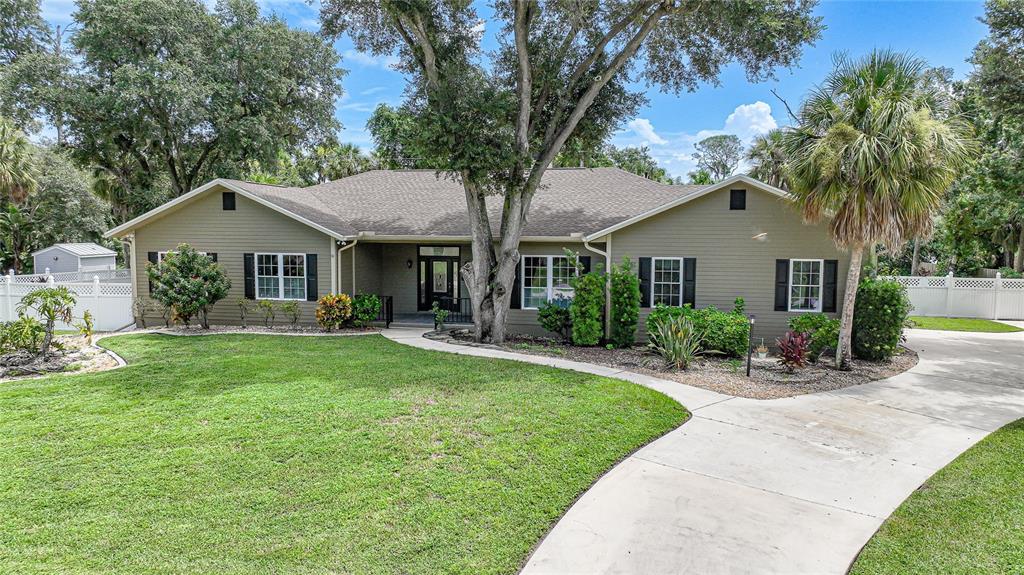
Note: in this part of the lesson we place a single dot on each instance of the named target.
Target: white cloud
(373, 90)
(364, 59)
(643, 128)
(750, 120)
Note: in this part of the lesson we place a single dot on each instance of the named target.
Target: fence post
(50, 283)
(998, 286)
(949, 295)
(8, 294)
(96, 288)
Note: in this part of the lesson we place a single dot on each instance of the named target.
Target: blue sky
(943, 33)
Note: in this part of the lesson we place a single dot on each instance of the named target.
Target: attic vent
(228, 199)
(737, 199)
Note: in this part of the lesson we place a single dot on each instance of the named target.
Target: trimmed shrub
(554, 316)
(879, 315)
(292, 310)
(1010, 273)
(793, 349)
(587, 309)
(676, 339)
(739, 306)
(189, 282)
(823, 331)
(625, 304)
(365, 309)
(333, 310)
(721, 332)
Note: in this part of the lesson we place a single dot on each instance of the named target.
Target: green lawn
(276, 454)
(962, 324)
(968, 518)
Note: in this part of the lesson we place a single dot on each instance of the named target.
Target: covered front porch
(414, 276)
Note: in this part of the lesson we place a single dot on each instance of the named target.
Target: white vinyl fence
(948, 296)
(109, 302)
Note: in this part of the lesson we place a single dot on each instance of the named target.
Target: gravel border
(768, 380)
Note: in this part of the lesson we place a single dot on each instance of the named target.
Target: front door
(437, 280)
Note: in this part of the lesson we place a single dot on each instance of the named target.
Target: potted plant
(762, 350)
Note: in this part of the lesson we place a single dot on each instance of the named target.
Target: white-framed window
(545, 278)
(805, 285)
(161, 255)
(667, 281)
(280, 276)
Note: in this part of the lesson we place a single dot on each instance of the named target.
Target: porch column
(334, 264)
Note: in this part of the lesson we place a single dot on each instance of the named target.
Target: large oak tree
(563, 70)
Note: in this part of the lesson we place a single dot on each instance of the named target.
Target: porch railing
(460, 309)
(387, 310)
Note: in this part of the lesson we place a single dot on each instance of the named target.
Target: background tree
(700, 178)
(17, 172)
(496, 120)
(63, 207)
(768, 159)
(331, 161)
(168, 92)
(395, 139)
(719, 156)
(873, 157)
(633, 159)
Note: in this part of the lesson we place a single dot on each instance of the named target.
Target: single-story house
(76, 257)
(403, 234)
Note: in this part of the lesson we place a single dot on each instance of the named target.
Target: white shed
(81, 257)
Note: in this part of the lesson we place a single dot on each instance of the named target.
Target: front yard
(269, 454)
(967, 518)
(962, 324)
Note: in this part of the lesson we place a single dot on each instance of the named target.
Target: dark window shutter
(781, 285)
(212, 256)
(585, 264)
(517, 292)
(228, 200)
(830, 278)
(152, 257)
(249, 264)
(737, 199)
(645, 282)
(311, 289)
(690, 282)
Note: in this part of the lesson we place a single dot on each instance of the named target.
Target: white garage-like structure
(77, 257)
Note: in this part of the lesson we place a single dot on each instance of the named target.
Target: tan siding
(251, 227)
(368, 269)
(730, 263)
(524, 321)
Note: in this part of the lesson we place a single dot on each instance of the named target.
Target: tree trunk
(1018, 263)
(915, 261)
(47, 338)
(203, 320)
(844, 351)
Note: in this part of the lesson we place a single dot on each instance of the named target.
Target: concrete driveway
(793, 485)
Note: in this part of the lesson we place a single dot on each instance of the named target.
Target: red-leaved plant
(793, 348)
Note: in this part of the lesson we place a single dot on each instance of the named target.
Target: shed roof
(83, 250)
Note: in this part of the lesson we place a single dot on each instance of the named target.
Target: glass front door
(438, 280)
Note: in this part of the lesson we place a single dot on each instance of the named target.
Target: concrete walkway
(793, 485)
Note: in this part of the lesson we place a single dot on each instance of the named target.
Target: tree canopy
(170, 92)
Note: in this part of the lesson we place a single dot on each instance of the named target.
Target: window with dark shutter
(228, 200)
(781, 285)
(737, 199)
(690, 282)
(829, 281)
(517, 291)
(644, 273)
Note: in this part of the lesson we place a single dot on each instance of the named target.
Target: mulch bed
(768, 379)
(274, 330)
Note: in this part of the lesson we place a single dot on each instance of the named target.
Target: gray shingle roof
(419, 203)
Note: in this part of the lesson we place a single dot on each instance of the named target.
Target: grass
(968, 518)
(275, 454)
(962, 324)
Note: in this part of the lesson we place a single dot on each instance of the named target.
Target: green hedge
(879, 315)
(587, 309)
(625, 304)
(724, 332)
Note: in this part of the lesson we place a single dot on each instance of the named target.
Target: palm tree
(768, 159)
(17, 173)
(873, 153)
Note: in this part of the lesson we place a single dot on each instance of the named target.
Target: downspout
(607, 280)
(134, 269)
(341, 249)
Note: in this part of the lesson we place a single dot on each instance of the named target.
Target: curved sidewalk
(793, 485)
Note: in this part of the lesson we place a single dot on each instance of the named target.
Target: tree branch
(524, 87)
(789, 110)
